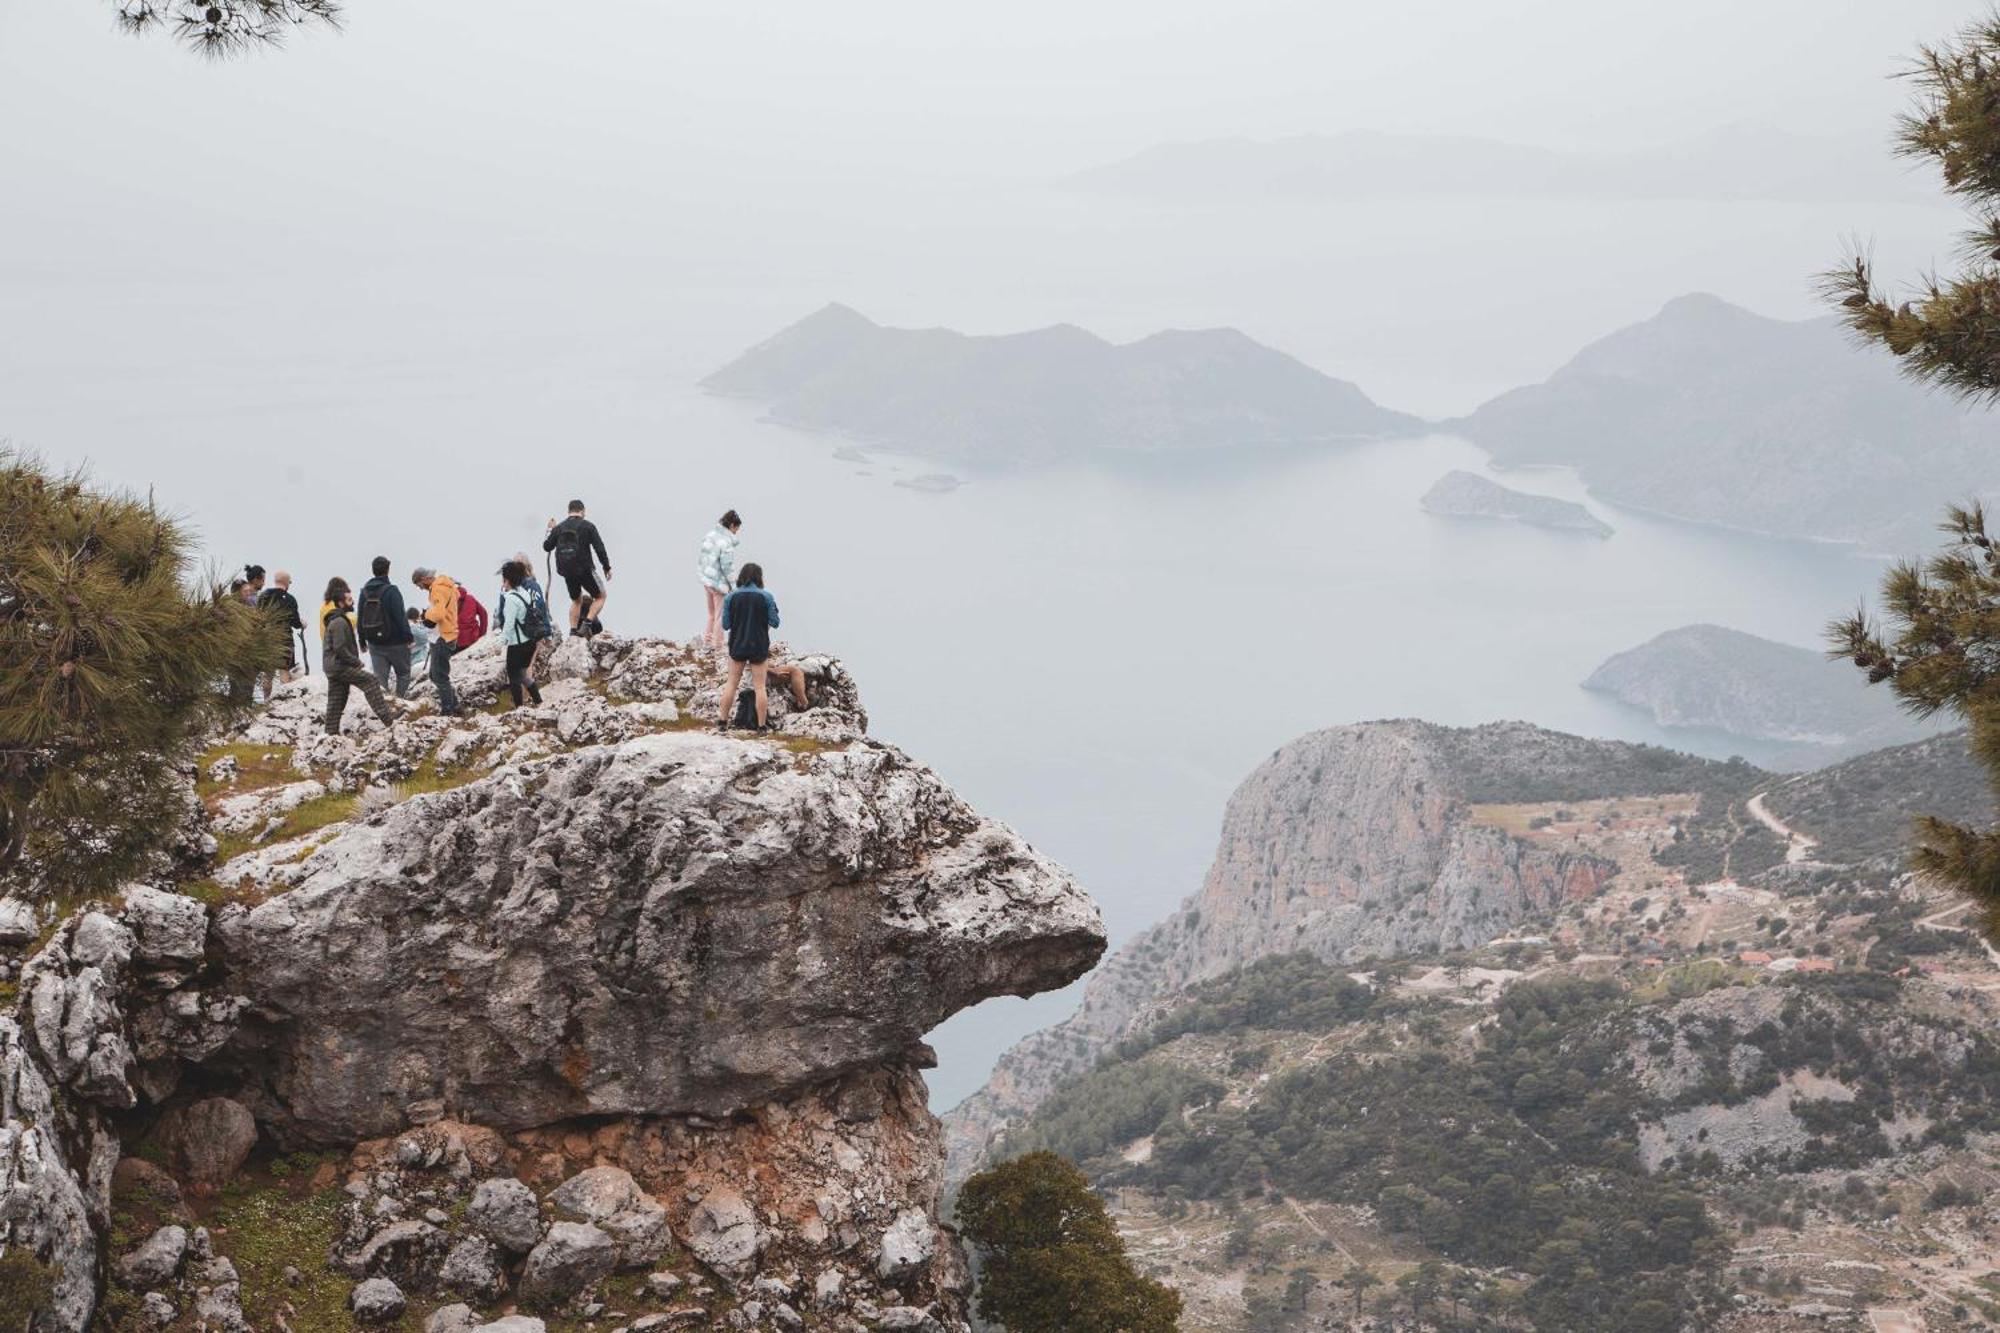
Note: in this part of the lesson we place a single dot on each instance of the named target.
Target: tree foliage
(114, 664)
(1940, 652)
(1949, 334)
(1051, 1260)
(227, 27)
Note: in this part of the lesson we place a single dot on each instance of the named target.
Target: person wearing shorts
(574, 541)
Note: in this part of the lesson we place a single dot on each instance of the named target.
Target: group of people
(401, 639)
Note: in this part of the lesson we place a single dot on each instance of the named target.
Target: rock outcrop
(630, 991)
(1355, 842)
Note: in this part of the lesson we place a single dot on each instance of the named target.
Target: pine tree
(1949, 334)
(114, 664)
(1941, 650)
(1051, 1259)
(227, 27)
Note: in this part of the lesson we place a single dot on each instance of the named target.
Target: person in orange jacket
(442, 617)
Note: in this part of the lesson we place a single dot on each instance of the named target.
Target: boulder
(473, 1269)
(513, 1323)
(208, 1141)
(724, 1233)
(596, 1194)
(171, 929)
(457, 1318)
(156, 1260)
(504, 1210)
(377, 1300)
(571, 1258)
(492, 943)
(641, 1233)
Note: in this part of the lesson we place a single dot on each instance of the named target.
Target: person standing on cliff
(340, 655)
(748, 616)
(573, 541)
(385, 628)
(443, 618)
(718, 570)
(278, 603)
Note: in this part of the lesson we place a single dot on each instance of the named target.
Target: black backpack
(569, 547)
(372, 623)
(746, 711)
(534, 616)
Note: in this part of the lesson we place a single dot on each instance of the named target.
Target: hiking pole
(305, 660)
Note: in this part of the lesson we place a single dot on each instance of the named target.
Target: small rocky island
(1461, 494)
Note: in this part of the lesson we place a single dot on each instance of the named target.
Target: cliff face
(1349, 843)
(591, 935)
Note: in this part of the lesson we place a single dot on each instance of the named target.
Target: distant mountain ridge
(1737, 162)
(1712, 413)
(1712, 677)
(1048, 394)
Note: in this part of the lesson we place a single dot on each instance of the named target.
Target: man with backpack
(460, 622)
(278, 603)
(573, 540)
(385, 628)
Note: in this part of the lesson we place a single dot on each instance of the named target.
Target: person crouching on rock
(520, 631)
(442, 617)
(748, 617)
(340, 654)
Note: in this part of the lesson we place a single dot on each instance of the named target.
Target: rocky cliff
(1355, 842)
(584, 1009)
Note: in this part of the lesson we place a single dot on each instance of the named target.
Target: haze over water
(1096, 653)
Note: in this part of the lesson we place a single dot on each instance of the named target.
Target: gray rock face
(596, 1193)
(1348, 842)
(473, 1269)
(504, 1209)
(489, 946)
(908, 1246)
(572, 1257)
(42, 1203)
(457, 1318)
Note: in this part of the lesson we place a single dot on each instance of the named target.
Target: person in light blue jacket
(718, 572)
(517, 633)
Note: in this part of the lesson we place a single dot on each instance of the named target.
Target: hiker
(340, 657)
(573, 540)
(244, 588)
(278, 603)
(718, 567)
(546, 645)
(748, 617)
(420, 639)
(448, 601)
(385, 628)
(524, 623)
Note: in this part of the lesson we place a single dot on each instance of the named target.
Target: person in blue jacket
(749, 614)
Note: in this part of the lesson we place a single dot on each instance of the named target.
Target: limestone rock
(377, 1300)
(40, 1196)
(513, 1323)
(596, 1194)
(504, 1209)
(571, 1258)
(490, 944)
(209, 1141)
(457, 1318)
(473, 1269)
(641, 1233)
(724, 1232)
(171, 929)
(908, 1245)
(156, 1260)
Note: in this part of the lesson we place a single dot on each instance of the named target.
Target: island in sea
(1460, 494)
(1048, 394)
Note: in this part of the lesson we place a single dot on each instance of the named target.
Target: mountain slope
(1049, 394)
(1709, 412)
(1723, 679)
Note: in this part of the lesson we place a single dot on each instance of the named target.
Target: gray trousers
(387, 657)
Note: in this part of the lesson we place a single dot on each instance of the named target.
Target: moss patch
(257, 767)
(268, 1222)
(26, 1283)
(306, 817)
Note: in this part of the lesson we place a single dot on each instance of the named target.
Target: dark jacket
(282, 607)
(586, 541)
(749, 616)
(395, 618)
(339, 646)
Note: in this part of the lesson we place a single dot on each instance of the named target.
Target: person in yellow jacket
(340, 653)
(442, 617)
